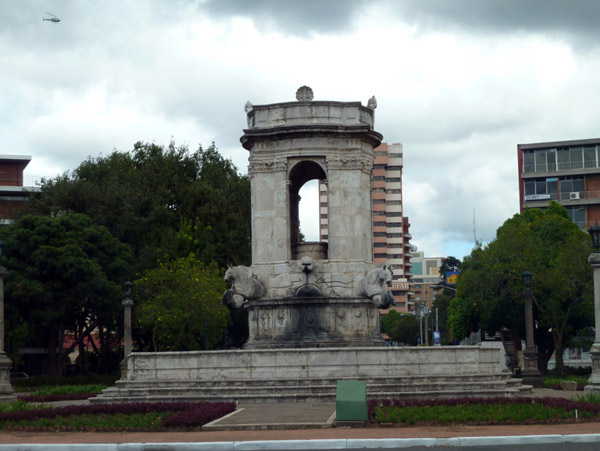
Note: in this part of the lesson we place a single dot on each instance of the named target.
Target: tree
(449, 264)
(159, 201)
(401, 328)
(489, 291)
(178, 306)
(64, 274)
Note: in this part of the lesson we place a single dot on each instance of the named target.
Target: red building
(564, 171)
(12, 191)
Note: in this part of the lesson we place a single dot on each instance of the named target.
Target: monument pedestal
(319, 322)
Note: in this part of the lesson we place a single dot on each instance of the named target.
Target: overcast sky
(459, 83)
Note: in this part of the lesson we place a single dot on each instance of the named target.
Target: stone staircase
(311, 390)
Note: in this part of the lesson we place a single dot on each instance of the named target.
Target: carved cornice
(267, 166)
(349, 163)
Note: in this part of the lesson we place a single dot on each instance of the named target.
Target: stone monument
(313, 307)
(323, 294)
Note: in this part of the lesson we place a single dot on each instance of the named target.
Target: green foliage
(159, 200)
(550, 381)
(68, 389)
(35, 383)
(490, 289)
(149, 421)
(474, 413)
(178, 305)
(20, 406)
(64, 274)
(403, 329)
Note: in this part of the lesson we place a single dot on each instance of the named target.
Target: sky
(459, 83)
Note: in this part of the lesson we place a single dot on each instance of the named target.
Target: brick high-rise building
(391, 237)
(565, 171)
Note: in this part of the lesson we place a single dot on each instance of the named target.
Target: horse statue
(244, 286)
(375, 285)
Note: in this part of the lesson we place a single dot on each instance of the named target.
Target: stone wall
(282, 364)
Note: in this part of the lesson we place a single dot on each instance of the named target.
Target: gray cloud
(290, 16)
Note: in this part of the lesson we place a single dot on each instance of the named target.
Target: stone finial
(372, 103)
(304, 94)
(248, 107)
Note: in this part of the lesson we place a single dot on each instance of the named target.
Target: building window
(323, 204)
(379, 201)
(323, 215)
(394, 168)
(379, 166)
(378, 223)
(393, 235)
(571, 188)
(541, 189)
(379, 190)
(378, 178)
(394, 214)
(542, 160)
(394, 202)
(379, 213)
(379, 234)
(394, 191)
(577, 215)
(395, 155)
(379, 244)
(380, 255)
(391, 179)
(394, 224)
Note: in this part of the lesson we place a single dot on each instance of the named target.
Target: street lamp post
(531, 374)
(127, 304)
(594, 260)
(7, 394)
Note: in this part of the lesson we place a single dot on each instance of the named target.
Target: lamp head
(527, 276)
(594, 232)
(127, 286)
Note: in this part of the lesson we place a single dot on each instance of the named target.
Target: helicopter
(52, 19)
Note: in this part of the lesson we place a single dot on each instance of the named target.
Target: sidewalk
(310, 421)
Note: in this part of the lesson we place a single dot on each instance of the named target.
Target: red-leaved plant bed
(188, 414)
(548, 402)
(52, 398)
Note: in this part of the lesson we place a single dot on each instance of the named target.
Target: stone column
(7, 394)
(127, 304)
(594, 381)
(531, 373)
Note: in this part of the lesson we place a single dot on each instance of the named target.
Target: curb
(315, 444)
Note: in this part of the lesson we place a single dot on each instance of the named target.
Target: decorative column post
(7, 394)
(127, 304)
(594, 260)
(531, 374)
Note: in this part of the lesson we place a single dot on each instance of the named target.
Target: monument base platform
(310, 375)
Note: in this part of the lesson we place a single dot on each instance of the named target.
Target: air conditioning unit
(574, 196)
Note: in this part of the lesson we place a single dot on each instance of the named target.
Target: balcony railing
(564, 196)
(554, 167)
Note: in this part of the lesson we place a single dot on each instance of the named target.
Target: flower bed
(481, 411)
(180, 414)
